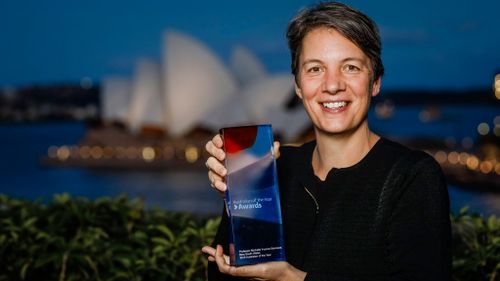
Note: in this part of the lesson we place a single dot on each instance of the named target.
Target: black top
(385, 218)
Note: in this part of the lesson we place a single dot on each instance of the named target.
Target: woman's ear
(298, 91)
(376, 86)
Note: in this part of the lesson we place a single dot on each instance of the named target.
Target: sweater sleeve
(419, 231)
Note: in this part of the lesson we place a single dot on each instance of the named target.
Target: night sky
(428, 44)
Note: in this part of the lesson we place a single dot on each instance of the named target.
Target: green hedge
(117, 239)
(105, 239)
(476, 247)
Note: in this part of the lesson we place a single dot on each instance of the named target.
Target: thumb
(276, 149)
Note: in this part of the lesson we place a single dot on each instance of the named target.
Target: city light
(191, 154)
(486, 167)
(463, 158)
(472, 162)
(440, 156)
(85, 152)
(148, 154)
(96, 152)
(384, 110)
(63, 153)
(483, 129)
(453, 157)
(496, 120)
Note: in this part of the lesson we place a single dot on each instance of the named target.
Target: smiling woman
(356, 206)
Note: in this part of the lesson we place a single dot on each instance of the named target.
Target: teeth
(337, 104)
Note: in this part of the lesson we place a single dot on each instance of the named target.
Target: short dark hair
(351, 23)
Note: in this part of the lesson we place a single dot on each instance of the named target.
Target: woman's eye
(351, 68)
(314, 69)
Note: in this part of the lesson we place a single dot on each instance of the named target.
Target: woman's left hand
(269, 271)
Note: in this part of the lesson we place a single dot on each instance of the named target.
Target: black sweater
(385, 218)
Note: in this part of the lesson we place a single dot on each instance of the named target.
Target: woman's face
(335, 81)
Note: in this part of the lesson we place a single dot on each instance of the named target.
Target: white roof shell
(246, 67)
(115, 98)
(146, 107)
(194, 81)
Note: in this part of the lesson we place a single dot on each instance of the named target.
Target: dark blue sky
(427, 44)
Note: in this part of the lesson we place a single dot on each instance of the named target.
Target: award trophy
(252, 196)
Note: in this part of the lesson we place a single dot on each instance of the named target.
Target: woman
(355, 206)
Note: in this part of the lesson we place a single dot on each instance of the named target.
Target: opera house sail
(194, 81)
(246, 67)
(115, 98)
(146, 106)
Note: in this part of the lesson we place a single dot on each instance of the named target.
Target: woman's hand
(216, 169)
(269, 271)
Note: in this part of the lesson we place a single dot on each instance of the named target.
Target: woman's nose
(333, 82)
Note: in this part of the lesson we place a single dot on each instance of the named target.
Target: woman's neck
(341, 150)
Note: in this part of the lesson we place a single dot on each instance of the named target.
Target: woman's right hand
(216, 170)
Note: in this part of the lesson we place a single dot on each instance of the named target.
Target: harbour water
(22, 176)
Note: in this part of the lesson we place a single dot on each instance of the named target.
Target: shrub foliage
(105, 239)
(117, 239)
(476, 247)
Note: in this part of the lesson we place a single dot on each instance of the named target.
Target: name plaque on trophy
(252, 196)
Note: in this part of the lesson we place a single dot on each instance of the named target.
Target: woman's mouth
(334, 105)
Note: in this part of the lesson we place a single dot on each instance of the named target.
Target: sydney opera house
(166, 104)
(191, 87)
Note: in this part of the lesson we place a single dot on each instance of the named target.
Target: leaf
(493, 223)
(159, 249)
(125, 262)
(165, 230)
(24, 269)
(28, 223)
(464, 210)
(62, 198)
(161, 241)
(41, 235)
(100, 232)
(14, 235)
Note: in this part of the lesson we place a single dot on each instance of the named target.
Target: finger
(217, 140)
(210, 252)
(277, 149)
(214, 177)
(214, 149)
(216, 166)
(224, 267)
(216, 182)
